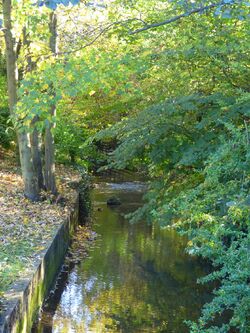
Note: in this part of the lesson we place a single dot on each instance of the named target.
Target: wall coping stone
(24, 299)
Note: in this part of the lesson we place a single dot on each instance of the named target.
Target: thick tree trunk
(31, 190)
(37, 157)
(49, 174)
(30, 181)
(35, 136)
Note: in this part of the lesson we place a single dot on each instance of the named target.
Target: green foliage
(197, 152)
(87, 87)
(201, 169)
(6, 133)
(178, 98)
(190, 128)
(201, 186)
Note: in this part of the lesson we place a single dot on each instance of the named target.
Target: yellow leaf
(25, 220)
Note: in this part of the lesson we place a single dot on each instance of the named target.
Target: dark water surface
(137, 278)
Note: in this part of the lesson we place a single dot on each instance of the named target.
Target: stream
(137, 277)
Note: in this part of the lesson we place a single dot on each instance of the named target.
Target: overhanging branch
(102, 32)
(178, 17)
(145, 27)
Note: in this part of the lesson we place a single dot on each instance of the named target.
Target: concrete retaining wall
(26, 297)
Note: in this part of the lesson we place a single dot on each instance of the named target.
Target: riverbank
(136, 277)
(27, 228)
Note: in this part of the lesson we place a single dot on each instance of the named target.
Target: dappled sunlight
(26, 228)
(136, 277)
(121, 88)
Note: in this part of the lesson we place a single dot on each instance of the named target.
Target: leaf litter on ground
(26, 228)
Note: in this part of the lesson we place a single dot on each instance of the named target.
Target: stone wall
(25, 298)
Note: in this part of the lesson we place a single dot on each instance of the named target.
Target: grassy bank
(26, 228)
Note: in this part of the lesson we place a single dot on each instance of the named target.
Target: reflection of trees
(143, 280)
(137, 279)
(143, 302)
(121, 310)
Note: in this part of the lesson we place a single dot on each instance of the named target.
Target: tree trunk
(35, 136)
(30, 181)
(31, 190)
(50, 182)
(36, 155)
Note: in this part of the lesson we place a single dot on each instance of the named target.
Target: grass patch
(26, 228)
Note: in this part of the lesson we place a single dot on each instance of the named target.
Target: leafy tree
(28, 144)
(195, 144)
(168, 81)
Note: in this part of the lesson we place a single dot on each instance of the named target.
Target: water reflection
(137, 278)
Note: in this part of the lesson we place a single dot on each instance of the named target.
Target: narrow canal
(137, 278)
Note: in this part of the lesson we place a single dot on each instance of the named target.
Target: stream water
(137, 278)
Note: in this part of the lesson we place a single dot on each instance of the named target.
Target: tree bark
(36, 140)
(30, 181)
(50, 182)
(36, 144)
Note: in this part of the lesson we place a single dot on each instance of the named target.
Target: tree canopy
(156, 86)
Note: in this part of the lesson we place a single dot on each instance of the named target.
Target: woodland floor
(26, 228)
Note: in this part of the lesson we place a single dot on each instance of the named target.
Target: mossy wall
(26, 298)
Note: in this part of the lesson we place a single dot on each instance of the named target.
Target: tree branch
(144, 28)
(178, 17)
(105, 30)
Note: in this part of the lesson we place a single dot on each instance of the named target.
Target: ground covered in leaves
(26, 228)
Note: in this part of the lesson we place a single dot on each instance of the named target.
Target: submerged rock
(113, 201)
